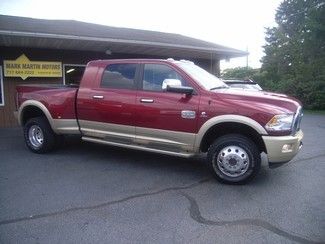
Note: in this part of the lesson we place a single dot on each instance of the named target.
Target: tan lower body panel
(65, 126)
(137, 147)
(139, 138)
(107, 131)
(275, 147)
(169, 140)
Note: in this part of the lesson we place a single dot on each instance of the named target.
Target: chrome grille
(297, 121)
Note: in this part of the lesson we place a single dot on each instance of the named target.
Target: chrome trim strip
(188, 114)
(183, 140)
(136, 147)
(144, 100)
(102, 130)
(296, 120)
(148, 137)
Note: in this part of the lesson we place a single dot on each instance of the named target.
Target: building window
(2, 95)
(119, 76)
(73, 73)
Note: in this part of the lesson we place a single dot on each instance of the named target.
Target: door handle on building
(98, 97)
(144, 100)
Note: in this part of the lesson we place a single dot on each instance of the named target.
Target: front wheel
(39, 136)
(234, 158)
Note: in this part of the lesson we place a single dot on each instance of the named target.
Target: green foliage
(239, 73)
(294, 61)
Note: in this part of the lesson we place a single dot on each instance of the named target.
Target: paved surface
(87, 193)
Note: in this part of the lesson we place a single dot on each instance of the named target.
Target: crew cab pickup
(165, 106)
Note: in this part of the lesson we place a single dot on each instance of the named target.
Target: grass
(319, 112)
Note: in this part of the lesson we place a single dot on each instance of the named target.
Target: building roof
(77, 35)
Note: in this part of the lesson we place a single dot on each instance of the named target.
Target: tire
(234, 159)
(39, 136)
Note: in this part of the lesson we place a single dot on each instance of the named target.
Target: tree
(294, 60)
(241, 73)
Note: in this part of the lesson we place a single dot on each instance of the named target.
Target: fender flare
(40, 106)
(232, 118)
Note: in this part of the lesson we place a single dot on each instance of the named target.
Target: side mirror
(170, 82)
(175, 85)
(180, 89)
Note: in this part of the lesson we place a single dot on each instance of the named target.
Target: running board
(137, 147)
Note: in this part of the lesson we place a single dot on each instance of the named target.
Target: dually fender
(59, 126)
(37, 104)
(226, 118)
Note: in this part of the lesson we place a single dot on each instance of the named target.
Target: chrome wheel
(233, 161)
(35, 136)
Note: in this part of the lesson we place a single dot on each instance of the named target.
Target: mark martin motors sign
(24, 68)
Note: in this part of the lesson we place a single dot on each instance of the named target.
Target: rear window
(119, 76)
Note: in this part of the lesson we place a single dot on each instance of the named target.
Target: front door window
(154, 76)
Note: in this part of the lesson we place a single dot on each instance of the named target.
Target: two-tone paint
(153, 121)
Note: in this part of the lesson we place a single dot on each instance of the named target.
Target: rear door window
(119, 76)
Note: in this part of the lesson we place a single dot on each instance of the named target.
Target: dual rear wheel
(234, 159)
(39, 136)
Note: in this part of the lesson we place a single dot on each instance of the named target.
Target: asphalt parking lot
(87, 193)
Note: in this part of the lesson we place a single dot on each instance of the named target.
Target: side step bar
(137, 147)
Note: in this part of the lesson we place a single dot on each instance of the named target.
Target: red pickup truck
(165, 106)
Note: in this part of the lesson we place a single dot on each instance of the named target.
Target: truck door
(107, 109)
(165, 120)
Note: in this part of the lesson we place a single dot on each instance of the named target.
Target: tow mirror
(180, 89)
(175, 85)
(170, 82)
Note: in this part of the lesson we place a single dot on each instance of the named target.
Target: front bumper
(281, 149)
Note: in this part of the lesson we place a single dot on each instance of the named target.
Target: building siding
(7, 118)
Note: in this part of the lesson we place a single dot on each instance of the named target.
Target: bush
(311, 93)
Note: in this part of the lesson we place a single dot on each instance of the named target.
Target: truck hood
(273, 103)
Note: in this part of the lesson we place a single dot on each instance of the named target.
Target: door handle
(144, 100)
(98, 97)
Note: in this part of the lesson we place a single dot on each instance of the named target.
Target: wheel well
(31, 112)
(231, 128)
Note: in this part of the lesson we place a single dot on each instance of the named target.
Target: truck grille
(297, 121)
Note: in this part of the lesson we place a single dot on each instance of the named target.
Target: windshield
(207, 80)
(245, 86)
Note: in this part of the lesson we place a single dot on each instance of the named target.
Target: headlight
(281, 122)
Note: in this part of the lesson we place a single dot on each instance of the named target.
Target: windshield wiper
(218, 87)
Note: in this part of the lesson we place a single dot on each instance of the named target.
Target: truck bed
(60, 100)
